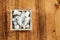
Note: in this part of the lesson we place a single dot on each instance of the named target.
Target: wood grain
(57, 23)
(45, 19)
(23, 4)
(50, 19)
(1, 22)
(42, 20)
(10, 5)
(33, 5)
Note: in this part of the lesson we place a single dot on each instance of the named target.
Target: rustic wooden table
(45, 20)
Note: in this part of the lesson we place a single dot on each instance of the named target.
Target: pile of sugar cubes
(21, 19)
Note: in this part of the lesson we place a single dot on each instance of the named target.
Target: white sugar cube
(23, 14)
(16, 12)
(19, 13)
(17, 17)
(13, 19)
(19, 22)
(27, 26)
(16, 26)
(27, 19)
(15, 23)
(27, 13)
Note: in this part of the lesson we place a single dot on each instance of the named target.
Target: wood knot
(57, 6)
(58, 1)
(53, 30)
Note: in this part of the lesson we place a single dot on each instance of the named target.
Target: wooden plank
(33, 5)
(4, 21)
(10, 5)
(42, 20)
(57, 19)
(50, 19)
(1, 22)
(57, 22)
(45, 21)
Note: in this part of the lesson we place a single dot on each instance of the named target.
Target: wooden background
(45, 23)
